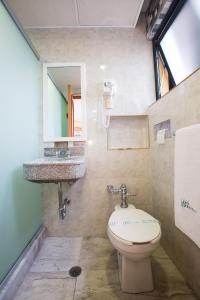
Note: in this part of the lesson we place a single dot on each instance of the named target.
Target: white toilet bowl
(135, 234)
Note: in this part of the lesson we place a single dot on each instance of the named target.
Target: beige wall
(128, 57)
(182, 107)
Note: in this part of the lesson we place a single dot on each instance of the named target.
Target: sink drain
(75, 271)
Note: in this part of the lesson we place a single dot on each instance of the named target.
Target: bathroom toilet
(135, 234)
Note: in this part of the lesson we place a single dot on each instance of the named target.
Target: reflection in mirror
(63, 102)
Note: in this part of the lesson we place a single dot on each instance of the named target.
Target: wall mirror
(64, 107)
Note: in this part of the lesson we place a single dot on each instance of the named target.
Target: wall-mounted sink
(54, 169)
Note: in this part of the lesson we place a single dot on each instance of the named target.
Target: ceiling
(77, 13)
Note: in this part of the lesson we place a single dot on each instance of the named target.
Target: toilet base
(135, 276)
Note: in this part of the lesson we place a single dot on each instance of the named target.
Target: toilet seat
(134, 226)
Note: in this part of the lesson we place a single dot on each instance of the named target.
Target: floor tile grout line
(74, 289)
(79, 264)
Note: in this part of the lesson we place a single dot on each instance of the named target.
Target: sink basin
(54, 169)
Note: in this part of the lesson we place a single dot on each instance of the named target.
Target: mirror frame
(45, 101)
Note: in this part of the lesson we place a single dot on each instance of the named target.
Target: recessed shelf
(128, 132)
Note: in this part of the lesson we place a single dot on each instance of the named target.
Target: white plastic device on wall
(107, 101)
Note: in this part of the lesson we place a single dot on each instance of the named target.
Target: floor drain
(75, 271)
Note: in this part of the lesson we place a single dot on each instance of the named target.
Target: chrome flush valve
(123, 193)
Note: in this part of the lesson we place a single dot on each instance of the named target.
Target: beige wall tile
(128, 57)
(182, 107)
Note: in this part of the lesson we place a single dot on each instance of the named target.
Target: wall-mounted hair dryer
(108, 101)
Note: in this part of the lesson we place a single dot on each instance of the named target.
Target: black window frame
(173, 12)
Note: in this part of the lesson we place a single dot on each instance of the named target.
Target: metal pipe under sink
(62, 202)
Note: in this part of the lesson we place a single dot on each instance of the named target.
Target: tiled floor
(48, 278)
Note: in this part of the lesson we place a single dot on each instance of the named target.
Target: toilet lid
(134, 225)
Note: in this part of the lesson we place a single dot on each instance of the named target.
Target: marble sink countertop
(73, 160)
(54, 169)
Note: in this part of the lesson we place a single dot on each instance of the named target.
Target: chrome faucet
(123, 193)
(57, 153)
(62, 153)
(68, 153)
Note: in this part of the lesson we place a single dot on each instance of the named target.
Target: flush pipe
(123, 193)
